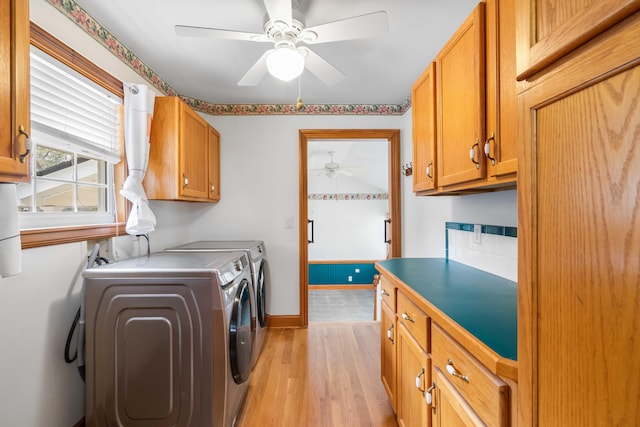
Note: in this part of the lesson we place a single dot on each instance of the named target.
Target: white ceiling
(378, 71)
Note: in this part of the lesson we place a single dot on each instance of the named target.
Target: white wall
(348, 229)
(259, 183)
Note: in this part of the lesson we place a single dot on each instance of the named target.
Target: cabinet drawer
(485, 392)
(388, 293)
(414, 319)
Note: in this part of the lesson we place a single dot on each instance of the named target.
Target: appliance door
(241, 334)
(260, 296)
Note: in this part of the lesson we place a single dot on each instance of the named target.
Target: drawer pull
(419, 377)
(452, 370)
(428, 394)
(384, 292)
(405, 316)
(390, 333)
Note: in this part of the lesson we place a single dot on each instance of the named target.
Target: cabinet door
(550, 29)
(501, 107)
(194, 155)
(14, 87)
(423, 111)
(414, 377)
(449, 408)
(214, 164)
(388, 352)
(461, 103)
(578, 210)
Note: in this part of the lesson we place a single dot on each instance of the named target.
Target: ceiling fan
(284, 27)
(332, 168)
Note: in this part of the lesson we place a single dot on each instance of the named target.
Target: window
(74, 129)
(77, 134)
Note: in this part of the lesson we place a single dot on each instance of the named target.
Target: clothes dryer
(257, 253)
(168, 340)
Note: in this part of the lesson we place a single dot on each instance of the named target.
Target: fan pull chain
(299, 103)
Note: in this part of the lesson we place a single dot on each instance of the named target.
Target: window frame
(32, 238)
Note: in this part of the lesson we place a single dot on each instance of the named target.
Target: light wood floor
(326, 375)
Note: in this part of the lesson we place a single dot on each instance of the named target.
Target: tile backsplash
(492, 248)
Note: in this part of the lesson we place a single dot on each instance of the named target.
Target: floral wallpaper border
(348, 196)
(78, 15)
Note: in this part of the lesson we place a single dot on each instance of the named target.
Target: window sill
(55, 236)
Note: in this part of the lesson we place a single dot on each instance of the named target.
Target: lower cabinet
(449, 408)
(414, 377)
(388, 351)
(480, 394)
(430, 378)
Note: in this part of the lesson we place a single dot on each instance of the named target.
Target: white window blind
(76, 131)
(71, 110)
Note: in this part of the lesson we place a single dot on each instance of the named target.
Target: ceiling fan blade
(344, 172)
(279, 10)
(357, 27)
(216, 33)
(326, 72)
(257, 71)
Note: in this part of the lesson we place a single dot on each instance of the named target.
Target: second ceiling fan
(285, 28)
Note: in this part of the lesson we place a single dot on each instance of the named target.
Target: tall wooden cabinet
(14, 87)
(184, 157)
(578, 215)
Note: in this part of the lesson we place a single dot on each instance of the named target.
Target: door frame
(393, 138)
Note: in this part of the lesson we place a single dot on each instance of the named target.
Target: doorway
(392, 235)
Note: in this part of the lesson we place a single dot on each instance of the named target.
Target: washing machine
(257, 254)
(168, 340)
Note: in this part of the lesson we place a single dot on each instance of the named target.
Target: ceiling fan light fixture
(285, 63)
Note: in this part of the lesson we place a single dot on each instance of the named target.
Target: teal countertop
(482, 303)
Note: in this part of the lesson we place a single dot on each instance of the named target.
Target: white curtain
(138, 113)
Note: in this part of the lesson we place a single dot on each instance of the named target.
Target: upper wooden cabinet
(14, 87)
(423, 111)
(550, 29)
(475, 109)
(460, 103)
(184, 157)
(501, 102)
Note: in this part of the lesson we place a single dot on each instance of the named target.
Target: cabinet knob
(419, 384)
(428, 170)
(384, 292)
(405, 316)
(27, 144)
(185, 181)
(472, 153)
(428, 395)
(487, 148)
(390, 333)
(452, 370)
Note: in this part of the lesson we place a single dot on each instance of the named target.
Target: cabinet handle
(487, 148)
(429, 396)
(419, 384)
(213, 187)
(472, 154)
(185, 181)
(405, 316)
(452, 370)
(390, 334)
(384, 292)
(27, 144)
(428, 170)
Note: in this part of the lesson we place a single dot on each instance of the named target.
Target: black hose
(67, 357)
